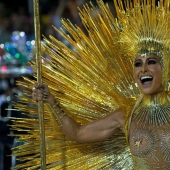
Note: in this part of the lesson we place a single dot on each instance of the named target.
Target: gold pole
(39, 80)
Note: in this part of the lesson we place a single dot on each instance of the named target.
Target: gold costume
(95, 77)
(149, 133)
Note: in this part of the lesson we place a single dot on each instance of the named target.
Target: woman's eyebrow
(154, 58)
(138, 60)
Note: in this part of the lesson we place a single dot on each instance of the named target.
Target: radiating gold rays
(91, 79)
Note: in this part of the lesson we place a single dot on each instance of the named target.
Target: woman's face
(148, 74)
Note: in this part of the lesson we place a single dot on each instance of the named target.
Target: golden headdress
(92, 78)
(145, 29)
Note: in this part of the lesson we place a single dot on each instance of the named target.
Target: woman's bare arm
(95, 131)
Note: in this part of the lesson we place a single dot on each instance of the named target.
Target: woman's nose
(144, 68)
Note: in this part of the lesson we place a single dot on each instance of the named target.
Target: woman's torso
(149, 137)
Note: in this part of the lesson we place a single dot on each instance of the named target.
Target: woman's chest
(147, 140)
(150, 142)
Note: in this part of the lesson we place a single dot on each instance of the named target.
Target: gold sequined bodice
(149, 135)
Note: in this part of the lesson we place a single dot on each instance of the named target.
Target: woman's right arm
(94, 131)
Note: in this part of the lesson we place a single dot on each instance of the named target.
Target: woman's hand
(41, 92)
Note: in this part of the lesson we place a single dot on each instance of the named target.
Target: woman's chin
(152, 91)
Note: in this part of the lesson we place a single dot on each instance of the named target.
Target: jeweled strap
(130, 118)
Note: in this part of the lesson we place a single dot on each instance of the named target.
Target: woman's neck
(156, 99)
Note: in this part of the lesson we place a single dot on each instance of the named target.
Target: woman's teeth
(146, 79)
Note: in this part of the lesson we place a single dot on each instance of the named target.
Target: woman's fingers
(40, 92)
(42, 86)
(37, 96)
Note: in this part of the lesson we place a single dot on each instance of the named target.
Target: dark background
(46, 5)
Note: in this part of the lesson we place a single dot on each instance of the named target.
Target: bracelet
(63, 114)
(57, 112)
(56, 104)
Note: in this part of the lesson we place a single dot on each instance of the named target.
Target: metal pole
(39, 80)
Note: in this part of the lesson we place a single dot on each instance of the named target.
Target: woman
(145, 139)
(116, 80)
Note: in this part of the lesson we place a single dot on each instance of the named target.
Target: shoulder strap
(130, 118)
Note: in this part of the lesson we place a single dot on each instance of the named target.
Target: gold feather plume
(91, 79)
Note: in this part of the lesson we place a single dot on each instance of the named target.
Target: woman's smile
(146, 80)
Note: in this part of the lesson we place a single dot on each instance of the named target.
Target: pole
(39, 80)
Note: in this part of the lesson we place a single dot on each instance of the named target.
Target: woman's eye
(152, 62)
(138, 64)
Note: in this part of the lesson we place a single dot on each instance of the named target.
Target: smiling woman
(148, 74)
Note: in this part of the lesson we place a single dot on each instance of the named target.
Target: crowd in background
(20, 20)
(10, 20)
